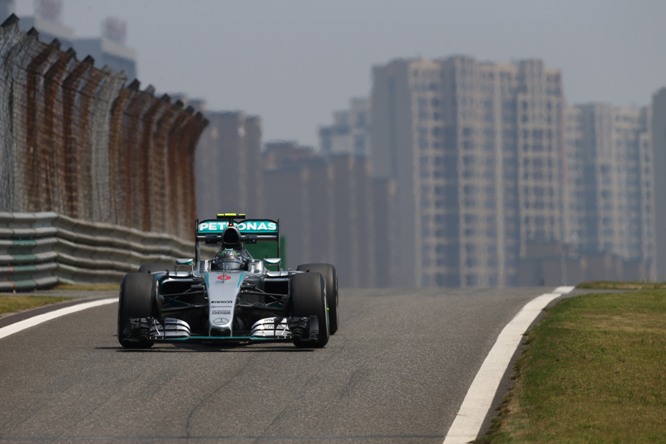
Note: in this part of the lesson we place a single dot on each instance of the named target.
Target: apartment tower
(658, 131)
(229, 170)
(609, 185)
(475, 151)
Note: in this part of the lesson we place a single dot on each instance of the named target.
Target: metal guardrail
(40, 250)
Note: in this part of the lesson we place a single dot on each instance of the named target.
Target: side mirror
(185, 262)
(272, 260)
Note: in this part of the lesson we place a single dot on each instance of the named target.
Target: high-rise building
(475, 151)
(350, 131)
(658, 131)
(109, 50)
(288, 190)
(228, 167)
(608, 189)
(331, 210)
(7, 8)
(47, 22)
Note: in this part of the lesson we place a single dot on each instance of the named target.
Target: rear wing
(251, 230)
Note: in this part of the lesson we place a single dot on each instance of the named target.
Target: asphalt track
(398, 371)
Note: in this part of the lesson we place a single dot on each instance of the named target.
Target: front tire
(307, 297)
(331, 278)
(136, 306)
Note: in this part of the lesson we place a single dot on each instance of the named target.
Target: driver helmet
(228, 259)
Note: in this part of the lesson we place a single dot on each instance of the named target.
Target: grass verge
(610, 285)
(87, 287)
(593, 371)
(11, 302)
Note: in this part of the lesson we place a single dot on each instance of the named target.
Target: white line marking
(36, 320)
(477, 402)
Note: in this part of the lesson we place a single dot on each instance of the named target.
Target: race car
(230, 297)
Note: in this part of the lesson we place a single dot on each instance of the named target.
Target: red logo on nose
(223, 277)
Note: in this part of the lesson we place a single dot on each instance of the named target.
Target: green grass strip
(594, 370)
(610, 285)
(10, 304)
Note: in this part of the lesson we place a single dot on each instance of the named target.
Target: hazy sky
(293, 62)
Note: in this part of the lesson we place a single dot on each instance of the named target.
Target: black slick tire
(307, 298)
(331, 278)
(137, 299)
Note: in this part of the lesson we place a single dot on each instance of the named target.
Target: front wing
(274, 329)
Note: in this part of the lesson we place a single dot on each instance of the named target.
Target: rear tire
(331, 278)
(136, 306)
(307, 298)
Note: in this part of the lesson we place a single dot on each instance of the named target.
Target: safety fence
(40, 250)
(77, 141)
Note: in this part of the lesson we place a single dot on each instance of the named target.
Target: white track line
(477, 402)
(36, 320)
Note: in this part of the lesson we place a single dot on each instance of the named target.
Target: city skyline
(311, 58)
(469, 157)
(507, 186)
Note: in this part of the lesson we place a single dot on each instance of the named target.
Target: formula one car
(231, 297)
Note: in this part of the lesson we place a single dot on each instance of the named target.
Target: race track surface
(396, 371)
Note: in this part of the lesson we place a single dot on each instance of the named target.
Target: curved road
(397, 371)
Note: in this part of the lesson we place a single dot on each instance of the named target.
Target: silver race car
(231, 297)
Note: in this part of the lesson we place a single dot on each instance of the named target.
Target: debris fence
(79, 141)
